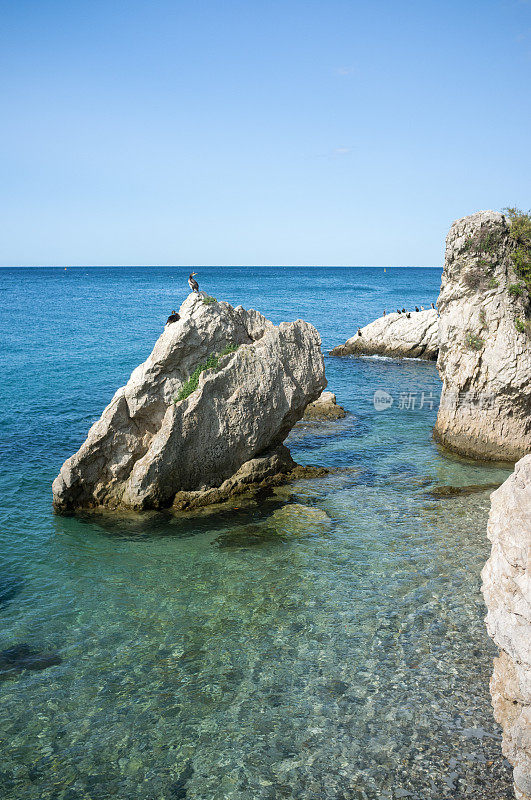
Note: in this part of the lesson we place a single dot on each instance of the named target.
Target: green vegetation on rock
(208, 299)
(212, 362)
(474, 342)
(516, 289)
(519, 325)
(520, 232)
(493, 283)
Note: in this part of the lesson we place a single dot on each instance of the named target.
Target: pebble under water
(326, 643)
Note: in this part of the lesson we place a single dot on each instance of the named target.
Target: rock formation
(202, 418)
(396, 335)
(507, 590)
(325, 407)
(485, 350)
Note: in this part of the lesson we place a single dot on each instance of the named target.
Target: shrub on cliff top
(211, 363)
(520, 232)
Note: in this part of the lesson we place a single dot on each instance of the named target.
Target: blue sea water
(329, 643)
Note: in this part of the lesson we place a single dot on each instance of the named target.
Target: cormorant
(403, 311)
(192, 283)
(384, 312)
(417, 308)
(398, 311)
(359, 331)
(422, 308)
(173, 317)
(432, 305)
(408, 315)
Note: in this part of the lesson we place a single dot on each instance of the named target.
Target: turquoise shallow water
(329, 644)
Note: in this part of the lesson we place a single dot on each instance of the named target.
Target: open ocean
(328, 645)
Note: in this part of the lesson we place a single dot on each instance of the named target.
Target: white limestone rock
(147, 448)
(507, 591)
(396, 335)
(484, 360)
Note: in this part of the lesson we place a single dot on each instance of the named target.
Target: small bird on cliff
(422, 308)
(359, 331)
(408, 315)
(385, 312)
(398, 311)
(403, 311)
(432, 305)
(173, 317)
(192, 283)
(417, 308)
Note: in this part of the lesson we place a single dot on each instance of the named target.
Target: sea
(327, 643)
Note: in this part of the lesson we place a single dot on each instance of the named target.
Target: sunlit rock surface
(396, 335)
(484, 359)
(507, 590)
(151, 449)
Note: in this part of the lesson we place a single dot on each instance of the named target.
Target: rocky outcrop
(484, 353)
(202, 418)
(396, 335)
(325, 407)
(507, 590)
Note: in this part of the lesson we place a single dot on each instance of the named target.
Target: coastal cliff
(484, 345)
(204, 417)
(396, 335)
(507, 591)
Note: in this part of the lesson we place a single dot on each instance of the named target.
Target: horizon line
(217, 266)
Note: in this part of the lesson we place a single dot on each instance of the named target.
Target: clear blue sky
(258, 132)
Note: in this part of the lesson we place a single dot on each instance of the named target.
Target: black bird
(403, 311)
(417, 308)
(432, 305)
(173, 317)
(192, 283)
(359, 331)
(408, 315)
(384, 312)
(398, 311)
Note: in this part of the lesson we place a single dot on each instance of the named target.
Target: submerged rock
(325, 407)
(204, 417)
(396, 335)
(447, 492)
(19, 657)
(298, 519)
(485, 351)
(507, 591)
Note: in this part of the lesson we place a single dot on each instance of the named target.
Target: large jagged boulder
(412, 335)
(151, 449)
(507, 590)
(484, 345)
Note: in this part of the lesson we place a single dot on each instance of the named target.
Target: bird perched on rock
(384, 312)
(398, 311)
(403, 311)
(359, 331)
(173, 317)
(408, 315)
(192, 283)
(422, 308)
(417, 308)
(432, 305)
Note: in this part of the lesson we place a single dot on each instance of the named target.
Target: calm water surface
(329, 644)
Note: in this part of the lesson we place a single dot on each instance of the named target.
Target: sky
(258, 132)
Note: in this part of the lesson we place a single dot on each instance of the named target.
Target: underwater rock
(325, 407)
(446, 492)
(19, 657)
(484, 358)
(397, 336)
(507, 591)
(213, 403)
(248, 536)
(298, 519)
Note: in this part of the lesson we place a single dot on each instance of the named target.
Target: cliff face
(484, 345)
(396, 335)
(150, 449)
(507, 590)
